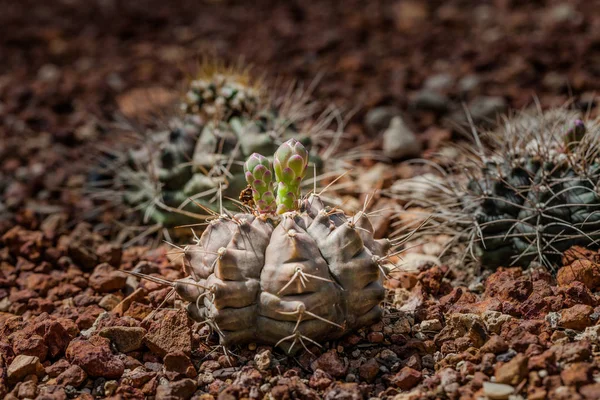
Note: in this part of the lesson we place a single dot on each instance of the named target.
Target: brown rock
(95, 357)
(125, 338)
(495, 344)
(331, 363)
(369, 370)
(263, 360)
(30, 345)
(546, 360)
(22, 366)
(512, 372)
(573, 352)
(73, 376)
(107, 279)
(407, 378)
(137, 377)
(56, 337)
(320, 380)
(375, 337)
(577, 374)
(57, 368)
(183, 389)
(27, 390)
(169, 333)
(590, 392)
(123, 306)
(177, 365)
(576, 317)
(470, 326)
(290, 388)
(584, 271)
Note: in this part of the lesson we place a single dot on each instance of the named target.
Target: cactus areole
(291, 273)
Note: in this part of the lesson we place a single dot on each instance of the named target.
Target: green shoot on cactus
(290, 163)
(259, 175)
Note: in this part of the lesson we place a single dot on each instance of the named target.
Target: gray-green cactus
(199, 159)
(530, 195)
(301, 278)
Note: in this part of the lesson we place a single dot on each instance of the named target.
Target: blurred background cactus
(173, 176)
(525, 192)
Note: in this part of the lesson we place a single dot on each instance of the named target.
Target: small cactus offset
(259, 175)
(291, 161)
(225, 116)
(532, 192)
(291, 276)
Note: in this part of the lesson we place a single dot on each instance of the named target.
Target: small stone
(513, 372)
(431, 325)
(73, 376)
(494, 320)
(407, 378)
(331, 363)
(22, 366)
(497, 391)
(468, 83)
(375, 337)
(183, 389)
(495, 344)
(263, 360)
(109, 301)
(170, 332)
(590, 392)
(320, 380)
(409, 14)
(577, 374)
(573, 352)
(378, 119)
(439, 82)
(94, 357)
(486, 108)
(110, 387)
(369, 370)
(179, 365)
(576, 317)
(106, 278)
(27, 390)
(430, 100)
(125, 338)
(399, 141)
(401, 326)
(584, 271)
(57, 368)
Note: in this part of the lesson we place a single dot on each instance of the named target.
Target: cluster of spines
(543, 167)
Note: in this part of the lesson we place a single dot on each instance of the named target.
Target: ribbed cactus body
(532, 208)
(312, 276)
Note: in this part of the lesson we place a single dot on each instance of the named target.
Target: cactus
(198, 159)
(291, 161)
(529, 195)
(294, 279)
(259, 175)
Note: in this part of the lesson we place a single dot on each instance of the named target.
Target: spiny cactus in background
(199, 158)
(531, 191)
(291, 272)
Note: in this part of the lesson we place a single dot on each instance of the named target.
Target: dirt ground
(65, 66)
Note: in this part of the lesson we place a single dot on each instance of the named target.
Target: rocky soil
(74, 325)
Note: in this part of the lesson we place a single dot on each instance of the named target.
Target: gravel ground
(72, 324)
